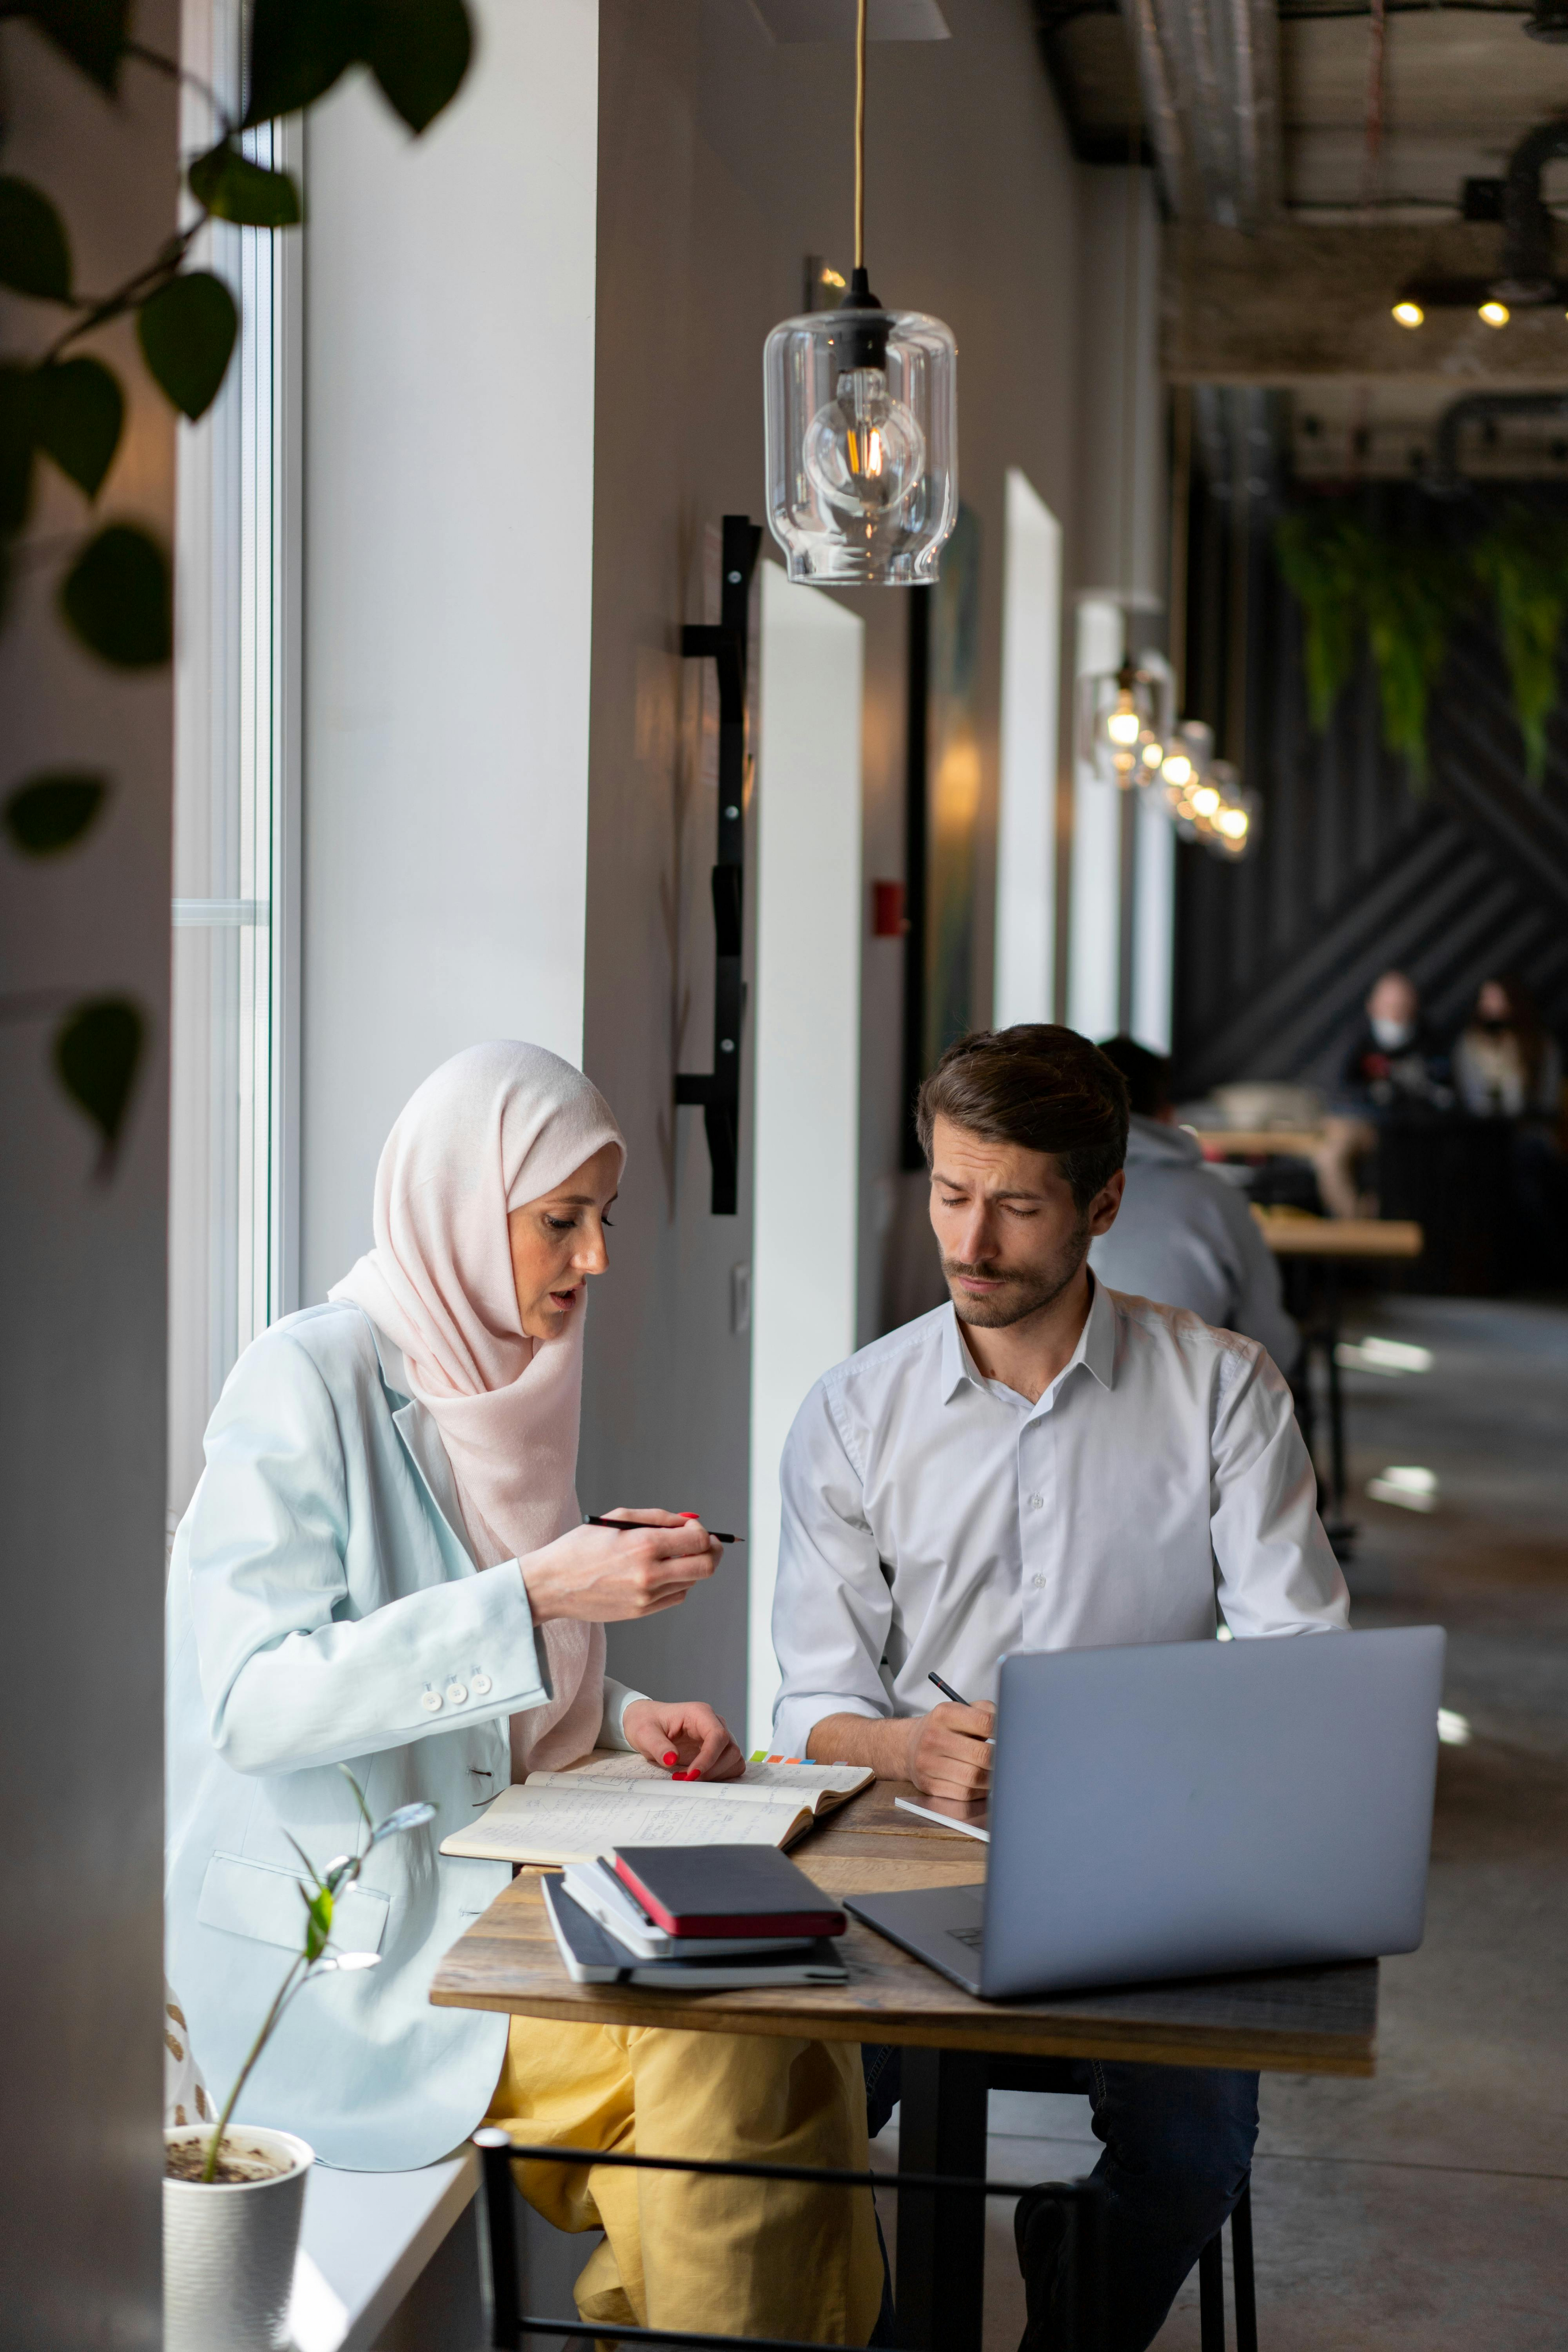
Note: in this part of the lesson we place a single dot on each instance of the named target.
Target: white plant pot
(229, 2248)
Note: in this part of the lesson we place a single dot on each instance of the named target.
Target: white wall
(809, 918)
(1026, 816)
(723, 160)
(83, 1274)
(449, 404)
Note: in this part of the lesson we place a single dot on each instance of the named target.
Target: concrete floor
(1426, 2211)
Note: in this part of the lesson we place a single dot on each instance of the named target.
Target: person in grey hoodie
(1183, 1235)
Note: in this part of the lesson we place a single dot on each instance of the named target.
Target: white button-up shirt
(935, 1519)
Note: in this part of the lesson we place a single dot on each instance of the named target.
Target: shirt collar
(1096, 1346)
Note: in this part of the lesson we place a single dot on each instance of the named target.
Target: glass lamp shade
(1184, 772)
(1124, 724)
(1231, 830)
(861, 414)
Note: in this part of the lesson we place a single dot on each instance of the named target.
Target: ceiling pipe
(1446, 479)
(1209, 74)
(1162, 120)
(1255, 47)
(1528, 274)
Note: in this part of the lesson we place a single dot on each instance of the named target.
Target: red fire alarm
(887, 918)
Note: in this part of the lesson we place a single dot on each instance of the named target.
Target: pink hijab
(494, 1128)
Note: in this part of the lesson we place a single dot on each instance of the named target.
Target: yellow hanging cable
(860, 137)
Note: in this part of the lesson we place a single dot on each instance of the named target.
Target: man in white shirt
(1183, 1234)
(1043, 1464)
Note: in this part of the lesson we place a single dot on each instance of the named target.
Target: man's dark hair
(1040, 1087)
(1148, 1075)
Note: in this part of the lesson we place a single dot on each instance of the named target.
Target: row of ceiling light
(1129, 735)
(1491, 314)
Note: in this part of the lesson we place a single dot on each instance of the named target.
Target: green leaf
(236, 189)
(97, 1047)
(78, 411)
(187, 332)
(319, 1927)
(15, 445)
(419, 51)
(1523, 564)
(297, 49)
(34, 257)
(116, 597)
(50, 812)
(91, 32)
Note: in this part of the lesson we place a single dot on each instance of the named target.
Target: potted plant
(233, 2193)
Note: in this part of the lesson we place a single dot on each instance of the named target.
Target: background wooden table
(1340, 1237)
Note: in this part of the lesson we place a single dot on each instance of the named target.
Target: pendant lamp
(1124, 718)
(860, 410)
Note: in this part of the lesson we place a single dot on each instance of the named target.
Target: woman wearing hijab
(383, 1567)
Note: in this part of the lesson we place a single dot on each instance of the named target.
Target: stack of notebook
(710, 1919)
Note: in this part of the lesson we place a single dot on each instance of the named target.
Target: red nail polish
(671, 1756)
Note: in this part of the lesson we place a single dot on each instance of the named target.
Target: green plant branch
(176, 72)
(132, 292)
(290, 1986)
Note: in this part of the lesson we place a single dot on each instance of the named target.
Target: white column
(1094, 938)
(809, 918)
(1026, 823)
(1154, 929)
(449, 533)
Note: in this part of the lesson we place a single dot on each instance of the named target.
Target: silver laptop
(1190, 1809)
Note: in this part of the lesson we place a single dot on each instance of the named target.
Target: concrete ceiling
(1292, 230)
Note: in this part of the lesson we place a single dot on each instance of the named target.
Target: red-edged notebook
(725, 1890)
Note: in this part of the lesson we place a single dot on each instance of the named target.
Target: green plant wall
(1401, 595)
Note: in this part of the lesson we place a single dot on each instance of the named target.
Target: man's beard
(1018, 1295)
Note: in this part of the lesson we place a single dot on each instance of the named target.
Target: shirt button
(1038, 1583)
(1034, 1501)
(430, 1701)
(457, 1693)
(480, 1685)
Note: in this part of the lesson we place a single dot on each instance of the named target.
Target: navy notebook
(726, 1890)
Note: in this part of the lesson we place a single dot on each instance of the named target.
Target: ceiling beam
(1294, 304)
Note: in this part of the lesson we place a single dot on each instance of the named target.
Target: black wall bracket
(718, 1091)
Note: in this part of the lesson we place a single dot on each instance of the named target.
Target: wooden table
(1318, 2021)
(1259, 1142)
(1290, 1235)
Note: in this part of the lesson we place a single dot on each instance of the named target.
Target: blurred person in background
(1395, 1069)
(1184, 1237)
(1507, 1065)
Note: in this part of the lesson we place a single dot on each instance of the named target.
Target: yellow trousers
(686, 2250)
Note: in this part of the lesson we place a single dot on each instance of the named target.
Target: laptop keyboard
(973, 1936)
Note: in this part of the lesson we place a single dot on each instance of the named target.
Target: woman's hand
(602, 1578)
(687, 1730)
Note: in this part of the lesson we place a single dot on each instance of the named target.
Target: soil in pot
(185, 2159)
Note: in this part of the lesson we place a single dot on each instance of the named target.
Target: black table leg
(942, 2235)
(1338, 1528)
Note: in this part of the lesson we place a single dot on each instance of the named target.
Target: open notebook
(615, 1801)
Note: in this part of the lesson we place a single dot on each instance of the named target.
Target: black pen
(948, 1691)
(626, 1526)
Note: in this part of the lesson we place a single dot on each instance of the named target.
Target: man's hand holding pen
(950, 1749)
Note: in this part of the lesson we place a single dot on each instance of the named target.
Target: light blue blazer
(323, 1610)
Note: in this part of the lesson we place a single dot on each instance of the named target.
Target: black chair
(1211, 2282)
(510, 2324)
